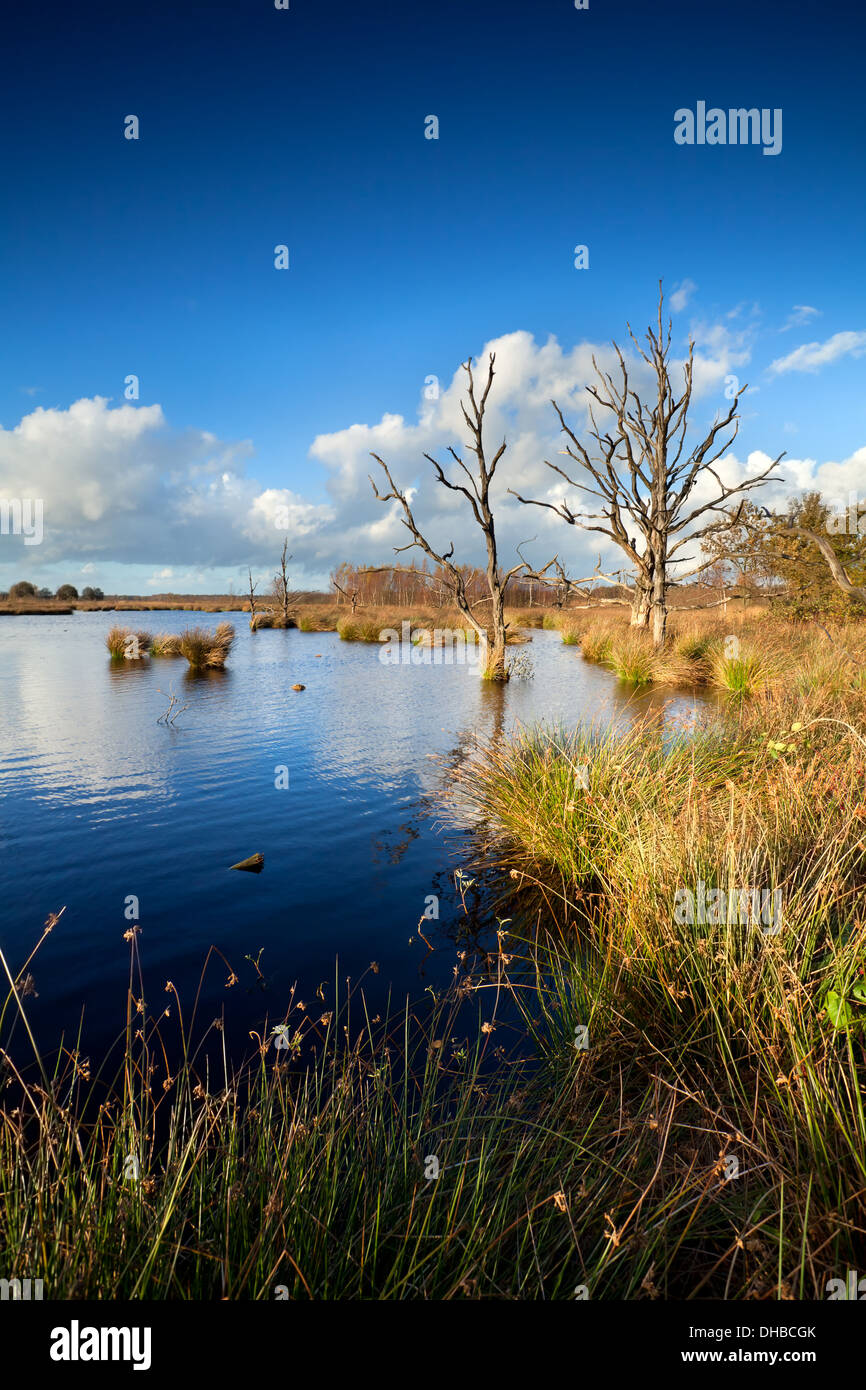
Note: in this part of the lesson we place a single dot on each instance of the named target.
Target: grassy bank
(746, 654)
(738, 1035)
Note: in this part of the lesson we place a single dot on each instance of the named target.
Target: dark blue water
(100, 802)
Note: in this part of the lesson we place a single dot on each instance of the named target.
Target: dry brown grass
(121, 643)
(165, 644)
(749, 652)
(206, 650)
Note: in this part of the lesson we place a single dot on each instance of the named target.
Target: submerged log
(253, 865)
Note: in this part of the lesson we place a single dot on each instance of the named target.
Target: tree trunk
(640, 609)
(659, 608)
(494, 667)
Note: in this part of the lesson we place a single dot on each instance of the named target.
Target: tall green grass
(742, 1030)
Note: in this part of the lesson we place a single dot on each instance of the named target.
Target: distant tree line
(24, 589)
(392, 586)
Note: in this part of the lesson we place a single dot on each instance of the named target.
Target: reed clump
(206, 650)
(124, 643)
(630, 656)
(166, 644)
(596, 641)
(748, 669)
(272, 618)
(360, 629)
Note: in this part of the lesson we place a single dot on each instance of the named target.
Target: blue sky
(305, 127)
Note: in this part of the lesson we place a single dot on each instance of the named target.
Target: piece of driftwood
(253, 865)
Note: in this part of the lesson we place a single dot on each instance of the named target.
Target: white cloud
(681, 294)
(810, 356)
(179, 508)
(800, 314)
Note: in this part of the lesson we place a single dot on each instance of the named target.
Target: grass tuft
(206, 650)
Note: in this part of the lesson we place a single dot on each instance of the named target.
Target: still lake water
(99, 802)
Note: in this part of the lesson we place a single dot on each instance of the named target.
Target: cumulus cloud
(183, 509)
(118, 485)
(681, 294)
(810, 356)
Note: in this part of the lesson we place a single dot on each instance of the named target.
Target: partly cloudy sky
(261, 392)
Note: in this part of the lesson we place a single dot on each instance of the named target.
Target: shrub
(23, 589)
(67, 591)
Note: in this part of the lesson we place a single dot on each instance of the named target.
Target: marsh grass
(631, 658)
(761, 1035)
(752, 670)
(770, 656)
(306, 1167)
(272, 618)
(117, 640)
(360, 629)
(166, 644)
(596, 641)
(206, 650)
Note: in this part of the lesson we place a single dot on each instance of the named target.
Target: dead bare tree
(174, 708)
(281, 590)
(645, 485)
(492, 630)
(350, 594)
(564, 586)
(253, 588)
